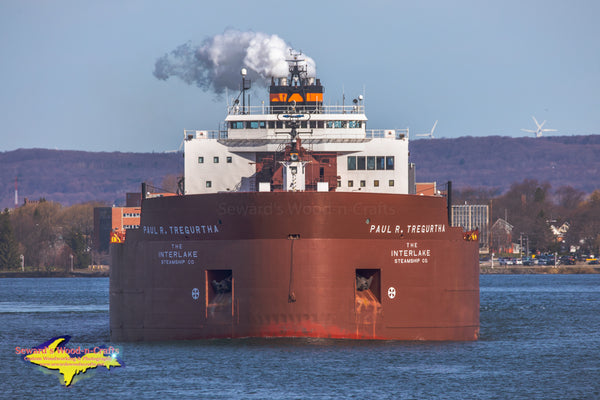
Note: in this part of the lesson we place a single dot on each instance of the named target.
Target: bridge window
(236, 125)
(370, 163)
(335, 124)
(256, 124)
(351, 163)
(360, 163)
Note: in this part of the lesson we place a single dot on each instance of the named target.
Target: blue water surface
(540, 339)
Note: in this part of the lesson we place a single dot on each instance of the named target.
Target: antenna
(430, 134)
(539, 131)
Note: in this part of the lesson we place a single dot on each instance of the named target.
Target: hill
(71, 177)
(496, 162)
(493, 162)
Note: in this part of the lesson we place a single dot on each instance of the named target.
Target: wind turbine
(178, 150)
(430, 134)
(538, 132)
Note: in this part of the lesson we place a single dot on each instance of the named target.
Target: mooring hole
(220, 284)
(368, 280)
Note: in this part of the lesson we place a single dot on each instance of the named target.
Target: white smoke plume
(217, 62)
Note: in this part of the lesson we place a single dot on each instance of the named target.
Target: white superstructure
(336, 152)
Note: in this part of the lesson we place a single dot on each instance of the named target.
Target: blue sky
(78, 75)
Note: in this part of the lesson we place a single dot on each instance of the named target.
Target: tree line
(44, 235)
(48, 235)
(532, 207)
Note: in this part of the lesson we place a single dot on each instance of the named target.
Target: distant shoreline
(83, 273)
(561, 269)
(483, 270)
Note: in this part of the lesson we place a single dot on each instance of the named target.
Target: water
(540, 339)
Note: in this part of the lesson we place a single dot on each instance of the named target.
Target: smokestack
(215, 65)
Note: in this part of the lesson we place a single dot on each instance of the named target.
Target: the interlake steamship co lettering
(180, 229)
(176, 254)
(411, 254)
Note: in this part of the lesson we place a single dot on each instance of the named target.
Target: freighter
(295, 220)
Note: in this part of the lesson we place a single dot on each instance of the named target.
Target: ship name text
(397, 229)
(180, 229)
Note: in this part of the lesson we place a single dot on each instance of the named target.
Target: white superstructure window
(256, 124)
(389, 162)
(371, 163)
(360, 162)
(351, 163)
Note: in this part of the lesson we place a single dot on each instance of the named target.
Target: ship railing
(308, 109)
(190, 134)
(398, 134)
(311, 185)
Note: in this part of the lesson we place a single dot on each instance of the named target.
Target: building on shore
(474, 217)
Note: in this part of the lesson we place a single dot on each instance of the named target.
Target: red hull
(293, 259)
